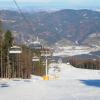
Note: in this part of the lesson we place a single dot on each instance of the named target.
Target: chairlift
(36, 44)
(45, 54)
(15, 50)
(35, 58)
(53, 60)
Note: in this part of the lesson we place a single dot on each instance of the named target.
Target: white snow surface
(73, 50)
(73, 84)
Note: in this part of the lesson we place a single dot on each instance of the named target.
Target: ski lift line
(26, 20)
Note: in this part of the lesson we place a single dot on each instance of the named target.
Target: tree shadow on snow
(3, 85)
(94, 83)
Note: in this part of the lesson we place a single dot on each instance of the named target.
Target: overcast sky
(52, 4)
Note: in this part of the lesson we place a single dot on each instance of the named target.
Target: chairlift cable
(26, 20)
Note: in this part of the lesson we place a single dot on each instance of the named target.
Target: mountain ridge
(74, 25)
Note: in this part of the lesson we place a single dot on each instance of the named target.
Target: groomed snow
(73, 84)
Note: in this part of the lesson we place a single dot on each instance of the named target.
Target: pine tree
(1, 32)
(8, 39)
(7, 43)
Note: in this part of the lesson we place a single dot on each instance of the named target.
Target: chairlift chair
(35, 58)
(15, 50)
(45, 54)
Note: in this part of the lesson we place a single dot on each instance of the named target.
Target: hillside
(74, 25)
(93, 40)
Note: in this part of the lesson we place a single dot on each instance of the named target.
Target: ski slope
(70, 72)
(73, 84)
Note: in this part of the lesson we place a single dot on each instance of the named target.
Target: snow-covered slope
(73, 84)
(70, 72)
(73, 50)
